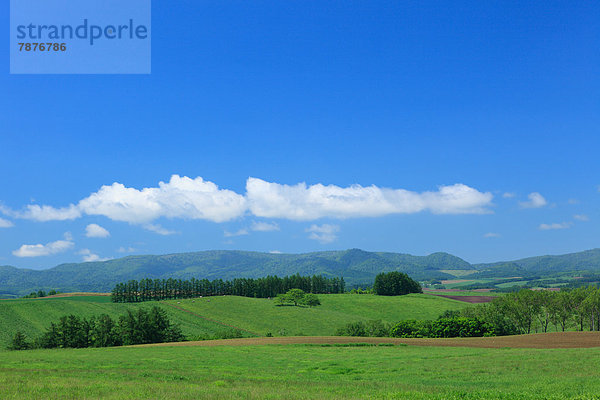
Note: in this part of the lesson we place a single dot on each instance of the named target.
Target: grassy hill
(261, 316)
(33, 316)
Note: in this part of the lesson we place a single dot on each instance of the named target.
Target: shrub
(19, 342)
(375, 328)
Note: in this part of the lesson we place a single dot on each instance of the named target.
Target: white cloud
(573, 201)
(4, 223)
(88, 256)
(491, 235)
(508, 195)
(159, 229)
(96, 231)
(562, 225)
(275, 252)
(302, 202)
(323, 233)
(240, 232)
(181, 197)
(39, 250)
(126, 250)
(187, 198)
(581, 217)
(47, 213)
(264, 226)
(536, 200)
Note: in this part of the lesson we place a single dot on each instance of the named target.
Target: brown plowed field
(74, 295)
(469, 299)
(558, 340)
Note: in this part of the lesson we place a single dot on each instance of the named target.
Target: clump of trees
(270, 286)
(297, 297)
(374, 328)
(395, 284)
(360, 290)
(445, 328)
(40, 293)
(539, 310)
(72, 331)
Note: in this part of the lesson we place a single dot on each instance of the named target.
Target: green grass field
(301, 372)
(33, 316)
(261, 316)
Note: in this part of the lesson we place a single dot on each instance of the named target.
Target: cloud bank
(197, 199)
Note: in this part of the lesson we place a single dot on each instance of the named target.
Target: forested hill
(588, 260)
(356, 266)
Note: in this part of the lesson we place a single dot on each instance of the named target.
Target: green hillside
(32, 316)
(261, 316)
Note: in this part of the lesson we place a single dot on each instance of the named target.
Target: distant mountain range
(356, 266)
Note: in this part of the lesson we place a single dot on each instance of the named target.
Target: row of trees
(40, 293)
(395, 284)
(270, 286)
(537, 311)
(139, 327)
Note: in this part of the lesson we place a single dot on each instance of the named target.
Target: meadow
(33, 316)
(301, 372)
(335, 311)
(211, 315)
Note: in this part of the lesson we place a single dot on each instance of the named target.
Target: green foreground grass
(261, 316)
(300, 372)
(33, 316)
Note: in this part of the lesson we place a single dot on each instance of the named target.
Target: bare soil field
(553, 340)
(74, 294)
(469, 299)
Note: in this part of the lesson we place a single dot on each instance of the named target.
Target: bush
(375, 328)
(411, 328)
(443, 328)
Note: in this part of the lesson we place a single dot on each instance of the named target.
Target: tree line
(71, 331)
(522, 312)
(270, 286)
(531, 311)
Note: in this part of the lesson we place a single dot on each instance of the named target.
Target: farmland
(207, 316)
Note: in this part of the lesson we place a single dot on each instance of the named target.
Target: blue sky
(470, 128)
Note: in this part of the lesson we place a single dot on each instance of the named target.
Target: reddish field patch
(469, 299)
(554, 340)
(74, 295)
